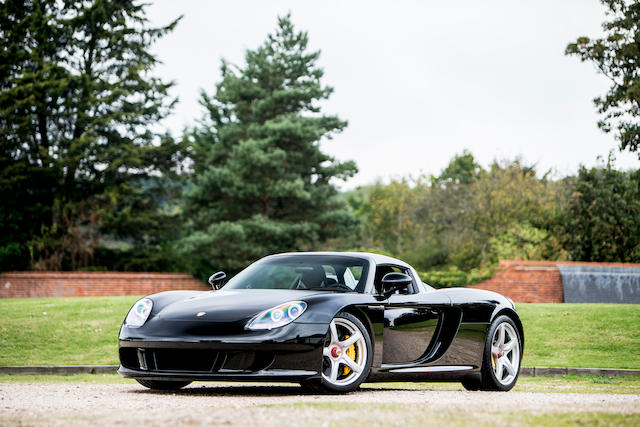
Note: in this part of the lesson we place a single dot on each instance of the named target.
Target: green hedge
(453, 277)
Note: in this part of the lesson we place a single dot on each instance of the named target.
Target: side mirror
(217, 280)
(392, 282)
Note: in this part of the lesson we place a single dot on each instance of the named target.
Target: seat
(314, 277)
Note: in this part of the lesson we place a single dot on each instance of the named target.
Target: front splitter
(284, 375)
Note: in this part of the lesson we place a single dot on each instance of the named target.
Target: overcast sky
(417, 81)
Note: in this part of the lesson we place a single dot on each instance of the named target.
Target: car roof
(376, 258)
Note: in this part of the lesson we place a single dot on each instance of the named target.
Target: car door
(410, 320)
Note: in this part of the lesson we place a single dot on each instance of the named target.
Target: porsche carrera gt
(326, 320)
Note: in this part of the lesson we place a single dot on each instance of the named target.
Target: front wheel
(501, 358)
(164, 385)
(346, 357)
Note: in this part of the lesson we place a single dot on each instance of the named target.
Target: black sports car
(326, 320)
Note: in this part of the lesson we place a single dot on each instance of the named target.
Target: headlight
(278, 316)
(139, 313)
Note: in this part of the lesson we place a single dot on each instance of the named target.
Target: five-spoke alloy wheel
(505, 353)
(501, 358)
(346, 356)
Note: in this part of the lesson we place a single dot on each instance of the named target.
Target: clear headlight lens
(278, 316)
(139, 313)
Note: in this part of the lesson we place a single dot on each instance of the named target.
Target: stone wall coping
(513, 262)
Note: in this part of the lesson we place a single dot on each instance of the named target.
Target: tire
(344, 353)
(164, 385)
(472, 383)
(498, 350)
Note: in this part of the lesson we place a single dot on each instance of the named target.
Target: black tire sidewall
(489, 380)
(163, 385)
(365, 372)
(472, 383)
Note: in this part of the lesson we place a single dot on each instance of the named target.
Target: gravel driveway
(129, 404)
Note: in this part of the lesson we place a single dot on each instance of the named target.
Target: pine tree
(261, 182)
(78, 106)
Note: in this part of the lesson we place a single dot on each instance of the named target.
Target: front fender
(323, 308)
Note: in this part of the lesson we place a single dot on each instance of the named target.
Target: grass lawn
(581, 335)
(69, 331)
(61, 331)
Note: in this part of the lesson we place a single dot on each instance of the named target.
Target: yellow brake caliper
(351, 352)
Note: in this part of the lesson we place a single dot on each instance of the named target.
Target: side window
(349, 279)
(382, 270)
(356, 272)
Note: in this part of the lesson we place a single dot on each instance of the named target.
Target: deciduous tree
(617, 56)
(602, 218)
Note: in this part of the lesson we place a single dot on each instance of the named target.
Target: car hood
(229, 305)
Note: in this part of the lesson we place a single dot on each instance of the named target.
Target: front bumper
(290, 353)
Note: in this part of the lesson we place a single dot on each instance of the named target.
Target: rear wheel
(346, 356)
(501, 358)
(164, 385)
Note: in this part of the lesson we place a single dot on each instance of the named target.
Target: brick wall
(522, 281)
(533, 281)
(72, 284)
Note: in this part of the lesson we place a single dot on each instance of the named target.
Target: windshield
(304, 272)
